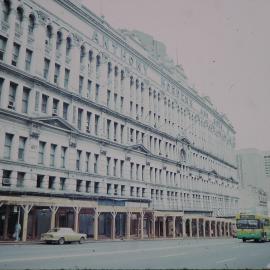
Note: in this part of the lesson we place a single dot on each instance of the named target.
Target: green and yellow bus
(252, 227)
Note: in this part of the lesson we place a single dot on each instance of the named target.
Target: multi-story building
(252, 179)
(103, 134)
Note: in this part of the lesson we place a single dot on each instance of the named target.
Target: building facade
(253, 181)
(103, 134)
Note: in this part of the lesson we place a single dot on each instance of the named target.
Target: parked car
(62, 235)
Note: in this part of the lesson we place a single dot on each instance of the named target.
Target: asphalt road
(195, 253)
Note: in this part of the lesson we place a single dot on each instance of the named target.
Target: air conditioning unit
(11, 105)
(6, 181)
(54, 113)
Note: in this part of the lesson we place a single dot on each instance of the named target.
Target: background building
(104, 135)
(254, 187)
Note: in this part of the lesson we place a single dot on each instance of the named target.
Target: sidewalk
(38, 242)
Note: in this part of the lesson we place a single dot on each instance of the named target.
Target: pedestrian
(17, 232)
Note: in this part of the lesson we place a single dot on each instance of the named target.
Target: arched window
(6, 10)
(115, 71)
(109, 68)
(131, 81)
(97, 63)
(68, 46)
(31, 24)
(19, 15)
(58, 40)
(137, 84)
(122, 75)
(48, 35)
(82, 54)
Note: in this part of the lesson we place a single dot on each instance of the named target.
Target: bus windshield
(247, 224)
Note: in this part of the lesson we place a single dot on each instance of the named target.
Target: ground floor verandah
(38, 215)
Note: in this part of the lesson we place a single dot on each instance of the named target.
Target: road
(194, 253)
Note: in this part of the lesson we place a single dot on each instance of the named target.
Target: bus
(252, 227)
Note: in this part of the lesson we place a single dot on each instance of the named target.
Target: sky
(223, 46)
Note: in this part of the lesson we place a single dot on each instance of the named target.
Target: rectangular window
(25, 100)
(12, 95)
(21, 150)
(44, 103)
(89, 89)
(51, 184)
(96, 187)
(121, 104)
(65, 110)
(87, 186)
(96, 159)
(52, 155)
(132, 170)
(96, 124)
(46, 68)
(1, 87)
(108, 97)
(108, 165)
(66, 82)
(87, 159)
(28, 59)
(114, 167)
(78, 159)
(56, 73)
(20, 179)
(6, 178)
(78, 185)
(115, 101)
(3, 43)
(55, 107)
(108, 128)
(115, 127)
(39, 181)
(109, 189)
(80, 84)
(62, 183)
(123, 190)
(97, 93)
(15, 54)
(122, 168)
(8, 145)
(63, 157)
(41, 152)
(79, 119)
(88, 121)
(37, 101)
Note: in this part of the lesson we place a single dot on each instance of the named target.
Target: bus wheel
(244, 240)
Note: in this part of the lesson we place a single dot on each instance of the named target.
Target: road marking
(226, 260)
(173, 255)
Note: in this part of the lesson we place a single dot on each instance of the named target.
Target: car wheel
(244, 240)
(61, 241)
(81, 240)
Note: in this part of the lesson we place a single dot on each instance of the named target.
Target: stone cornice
(116, 37)
(40, 81)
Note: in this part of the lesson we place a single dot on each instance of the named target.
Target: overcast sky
(223, 46)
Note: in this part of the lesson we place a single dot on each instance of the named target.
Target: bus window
(247, 224)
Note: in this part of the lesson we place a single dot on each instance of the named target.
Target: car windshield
(247, 224)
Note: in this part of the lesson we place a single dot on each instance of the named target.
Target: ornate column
(96, 224)
(183, 227)
(153, 225)
(164, 227)
(53, 214)
(39, 44)
(113, 225)
(197, 227)
(26, 210)
(76, 218)
(11, 33)
(173, 219)
(128, 216)
(142, 223)
(21, 60)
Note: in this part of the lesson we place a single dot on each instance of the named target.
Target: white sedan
(62, 235)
